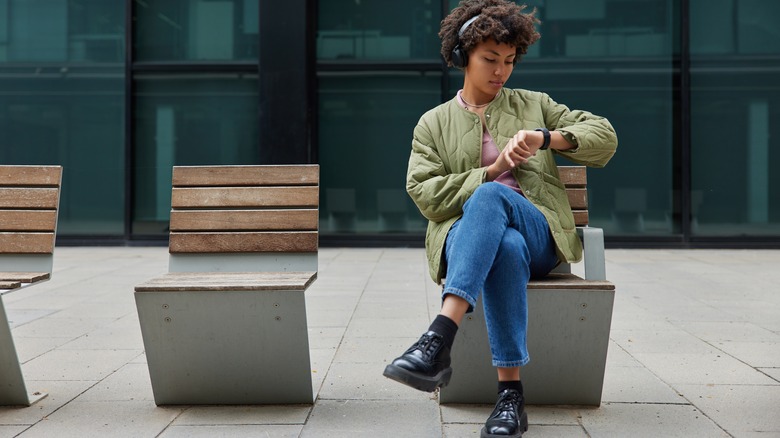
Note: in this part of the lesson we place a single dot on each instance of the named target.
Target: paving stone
(649, 420)
(364, 381)
(706, 368)
(11, 431)
(636, 384)
(248, 431)
(59, 394)
(130, 419)
(77, 364)
(740, 409)
(243, 415)
(131, 382)
(352, 418)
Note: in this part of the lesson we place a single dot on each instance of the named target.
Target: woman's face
(490, 64)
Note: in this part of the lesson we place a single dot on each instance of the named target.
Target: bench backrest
(244, 218)
(29, 200)
(575, 179)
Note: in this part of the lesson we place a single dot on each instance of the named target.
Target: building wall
(118, 92)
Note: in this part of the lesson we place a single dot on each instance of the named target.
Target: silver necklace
(472, 105)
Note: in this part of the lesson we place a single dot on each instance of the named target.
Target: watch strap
(546, 135)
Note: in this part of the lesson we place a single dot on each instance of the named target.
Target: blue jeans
(500, 243)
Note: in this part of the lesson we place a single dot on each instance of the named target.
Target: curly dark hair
(500, 20)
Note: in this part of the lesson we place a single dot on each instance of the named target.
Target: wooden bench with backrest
(227, 323)
(568, 327)
(29, 200)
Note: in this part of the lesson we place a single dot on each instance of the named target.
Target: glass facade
(187, 120)
(735, 94)
(62, 81)
(119, 91)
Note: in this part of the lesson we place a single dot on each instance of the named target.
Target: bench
(29, 199)
(227, 323)
(569, 321)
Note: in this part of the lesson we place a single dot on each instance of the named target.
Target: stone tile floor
(694, 352)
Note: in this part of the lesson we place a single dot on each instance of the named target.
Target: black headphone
(459, 57)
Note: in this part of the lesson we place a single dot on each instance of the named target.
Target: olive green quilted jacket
(445, 169)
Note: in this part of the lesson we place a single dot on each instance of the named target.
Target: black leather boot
(508, 418)
(424, 366)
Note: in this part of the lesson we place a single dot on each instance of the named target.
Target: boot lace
(428, 344)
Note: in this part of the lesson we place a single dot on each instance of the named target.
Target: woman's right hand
(516, 152)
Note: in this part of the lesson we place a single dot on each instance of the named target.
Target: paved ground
(695, 352)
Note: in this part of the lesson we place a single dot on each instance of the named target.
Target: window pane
(187, 120)
(365, 136)
(62, 102)
(196, 30)
(735, 83)
(59, 30)
(361, 30)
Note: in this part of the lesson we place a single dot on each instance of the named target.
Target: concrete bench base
(568, 335)
(228, 345)
(13, 391)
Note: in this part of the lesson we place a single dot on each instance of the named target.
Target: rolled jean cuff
(511, 363)
(459, 293)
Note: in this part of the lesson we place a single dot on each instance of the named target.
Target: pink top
(490, 153)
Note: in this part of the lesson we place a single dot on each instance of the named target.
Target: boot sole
(523, 428)
(418, 381)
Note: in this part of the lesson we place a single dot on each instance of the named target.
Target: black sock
(510, 384)
(446, 328)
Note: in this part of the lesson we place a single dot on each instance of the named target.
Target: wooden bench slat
(580, 217)
(246, 220)
(573, 176)
(24, 277)
(237, 242)
(228, 281)
(283, 175)
(28, 220)
(26, 243)
(250, 197)
(10, 284)
(35, 198)
(569, 281)
(578, 198)
(30, 175)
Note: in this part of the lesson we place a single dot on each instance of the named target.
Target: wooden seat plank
(578, 198)
(251, 197)
(28, 220)
(245, 220)
(24, 277)
(573, 176)
(237, 242)
(27, 176)
(245, 175)
(27, 197)
(228, 281)
(10, 284)
(26, 243)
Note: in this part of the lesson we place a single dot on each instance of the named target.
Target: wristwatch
(546, 134)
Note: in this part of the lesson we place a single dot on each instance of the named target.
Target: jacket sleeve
(438, 194)
(594, 137)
